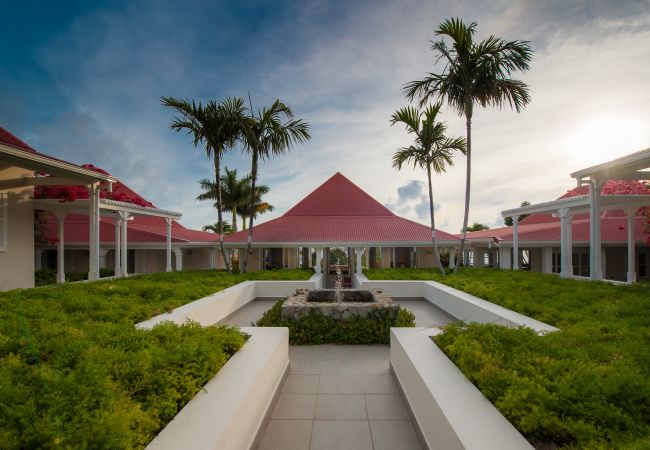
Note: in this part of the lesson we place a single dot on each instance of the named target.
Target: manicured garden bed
(316, 328)
(76, 373)
(585, 386)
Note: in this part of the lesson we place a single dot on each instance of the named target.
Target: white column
(319, 258)
(93, 232)
(211, 258)
(452, 257)
(564, 214)
(118, 238)
(178, 253)
(169, 244)
(631, 249)
(358, 252)
(60, 252)
(547, 259)
(102, 258)
(392, 257)
(515, 242)
(124, 252)
(504, 258)
(595, 251)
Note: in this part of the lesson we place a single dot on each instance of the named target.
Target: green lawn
(76, 373)
(586, 386)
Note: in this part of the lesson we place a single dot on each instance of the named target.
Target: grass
(76, 373)
(316, 328)
(586, 386)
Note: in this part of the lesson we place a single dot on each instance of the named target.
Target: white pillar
(169, 244)
(504, 258)
(547, 260)
(124, 252)
(358, 252)
(564, 239)
(452, 258)
(319, 258)
(211, 258)
(178, 253)
(102, 258)
(60, 253)
(392, 258)
(118, 238)
(631, 249)
(595, 251)
(515, 242)
(93, 232)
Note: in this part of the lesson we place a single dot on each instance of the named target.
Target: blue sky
(82, 81)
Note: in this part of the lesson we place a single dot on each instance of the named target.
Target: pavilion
(339, 214)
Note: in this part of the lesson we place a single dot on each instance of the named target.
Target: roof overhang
(105, 205)
(58, 168)
(635, 166)
(580, 204)
(341, 244)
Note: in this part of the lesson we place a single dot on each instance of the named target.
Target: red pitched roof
(10, 140)
(339, 211)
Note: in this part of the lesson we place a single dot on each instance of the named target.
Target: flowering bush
(72, 193)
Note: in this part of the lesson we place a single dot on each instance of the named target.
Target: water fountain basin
(354, 302)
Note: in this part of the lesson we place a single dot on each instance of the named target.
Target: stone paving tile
(340, 407)
(294, 406)
(386, 407)
(379, 384)
(341, 435)
(301, 384)
(287, 435)
(305, 366)
(394, 435)
(341, 384)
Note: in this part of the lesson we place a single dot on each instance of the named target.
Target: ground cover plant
(586, 386)
(76, 373)
(315, 328)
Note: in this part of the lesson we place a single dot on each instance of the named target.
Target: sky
(82, 81)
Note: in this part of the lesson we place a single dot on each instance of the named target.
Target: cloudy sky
(82, 80)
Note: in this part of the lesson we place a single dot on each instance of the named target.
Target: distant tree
(476, 226)
(474, 74)
(508, 220)
(214, 227)
(268, 132)
(431, 151)
(217, 126)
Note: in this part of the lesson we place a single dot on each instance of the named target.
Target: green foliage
(477, 226)
(48, 276)
(76, 373)
(316, 328)
(585, 386)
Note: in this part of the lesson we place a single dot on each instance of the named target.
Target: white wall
(17, 262)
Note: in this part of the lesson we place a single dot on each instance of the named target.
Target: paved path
(339, 398)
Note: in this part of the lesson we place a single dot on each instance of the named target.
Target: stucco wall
(425, 257)
(17, 262)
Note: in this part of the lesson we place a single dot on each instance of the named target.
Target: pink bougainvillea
(72, 193)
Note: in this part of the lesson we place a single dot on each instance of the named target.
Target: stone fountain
(353, 302)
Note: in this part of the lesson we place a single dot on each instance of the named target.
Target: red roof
(339, 211)
(145, 229)
(546, 227)
(10, 140)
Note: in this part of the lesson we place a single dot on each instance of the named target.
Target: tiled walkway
(339, 398)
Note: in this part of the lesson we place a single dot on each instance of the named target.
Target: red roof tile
(339, 211)
(10, 140)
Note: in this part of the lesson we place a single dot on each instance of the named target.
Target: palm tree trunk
(467, 188)
(436, 255)
(217, 174)
(252, 205)
(243, 221)
(234, 219)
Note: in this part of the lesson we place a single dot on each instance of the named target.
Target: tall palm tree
(475, 73)
(269, 132)
(261, 207)
(214, 227)
(216, 125)
(432, 150)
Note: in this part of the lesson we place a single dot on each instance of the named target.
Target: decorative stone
(355, 302)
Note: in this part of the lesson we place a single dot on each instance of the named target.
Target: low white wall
(459, 304)
(213, 308)
(449, 410)
(228, 413)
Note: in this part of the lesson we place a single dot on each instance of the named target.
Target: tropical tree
(215, 227)
(432, 150)
(508, 220)
(217, 126)
(474, 74)
(269, 132)
(260, 207)
(477, 226)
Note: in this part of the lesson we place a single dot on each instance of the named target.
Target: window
(3, 222)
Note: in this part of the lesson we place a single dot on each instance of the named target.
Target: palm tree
(217, 125)
(474, 74)
(215, 227)
(261, 207)
(270, 132)
(431, 150)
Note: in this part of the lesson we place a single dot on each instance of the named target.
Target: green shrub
(76, 373)
(316, 328)
(45, 277)
(585, 386)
